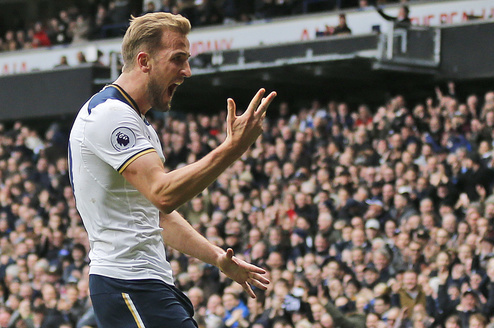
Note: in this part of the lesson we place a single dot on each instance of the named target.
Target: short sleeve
(116, 134)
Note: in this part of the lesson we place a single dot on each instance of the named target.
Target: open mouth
(171, 89)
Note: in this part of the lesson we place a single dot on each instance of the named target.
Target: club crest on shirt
(123, 138)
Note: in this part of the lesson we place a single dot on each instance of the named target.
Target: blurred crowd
(100, 19)
(363, 217)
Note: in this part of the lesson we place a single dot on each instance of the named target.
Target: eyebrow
(182, 53)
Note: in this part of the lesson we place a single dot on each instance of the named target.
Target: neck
(135, 86)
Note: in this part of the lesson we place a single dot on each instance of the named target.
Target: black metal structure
(353, 68)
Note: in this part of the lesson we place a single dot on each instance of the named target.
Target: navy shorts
(145, 303)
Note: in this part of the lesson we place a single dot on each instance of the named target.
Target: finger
(263, 115)
(258, 284)
(248, 290)
(254, 103)
(260, 278)
(231, 107)
(249, 267)
(229, 253)
(265, 104)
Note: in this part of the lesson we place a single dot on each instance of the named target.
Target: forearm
(184, 183)
(180, 235)
(384, 15)
(169, 190)
(242, 131)
(340, 319)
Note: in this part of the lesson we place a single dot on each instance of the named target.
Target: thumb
(229, 253)
(231, 107)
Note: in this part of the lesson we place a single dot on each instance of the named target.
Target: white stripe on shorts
(133, 310)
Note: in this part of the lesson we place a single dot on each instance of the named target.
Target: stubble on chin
(156, 95)
(163, 107)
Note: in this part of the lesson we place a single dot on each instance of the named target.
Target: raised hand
(244, 273)
(243, 130)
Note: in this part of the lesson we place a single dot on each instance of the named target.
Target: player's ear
(143, 61)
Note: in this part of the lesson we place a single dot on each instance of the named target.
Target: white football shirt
(123, 225)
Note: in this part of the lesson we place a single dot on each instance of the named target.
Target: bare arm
(179, 234)
(384, 15)
(167, 191)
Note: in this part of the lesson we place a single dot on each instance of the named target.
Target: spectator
(188, 9)
(477, 179)
(402, 20)
(10, 43)
(166, 6)
(22, 41)
(235, 310)
(208, 13)
(40, 38)
(363, 4)
(197, 299)
(79, 30)
(101, 19)
(74, 271)
(81, 58)
(257, 312)
(477, 320)
(63, 63)
(410, 293)
(150, 7)
(119, 12)
(342, 27)
(467, 306)
(57, 32)
(372, 320)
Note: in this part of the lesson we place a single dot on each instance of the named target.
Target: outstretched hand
(244, 273)
(244, 129)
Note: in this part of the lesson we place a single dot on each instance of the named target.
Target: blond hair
(145, 34)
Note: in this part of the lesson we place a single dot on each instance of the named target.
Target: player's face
(171, 67)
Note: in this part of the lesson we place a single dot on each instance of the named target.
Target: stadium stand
(103, 19)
